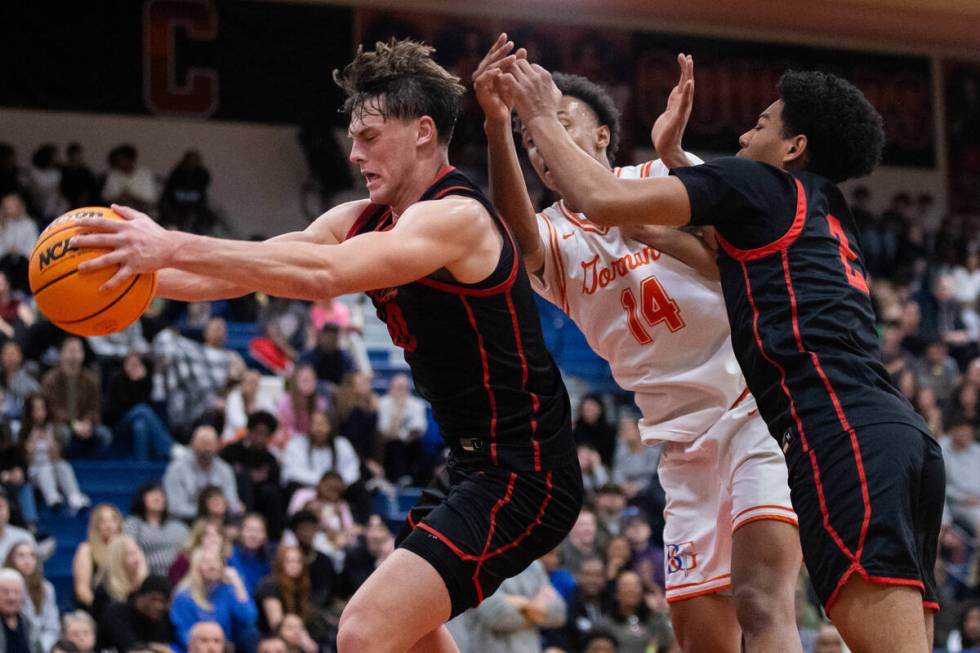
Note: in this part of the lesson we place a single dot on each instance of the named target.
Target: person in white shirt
(402, 423)
(307, 458)
(650, 303)
(961, 453)
(128, 183)
(187, 476)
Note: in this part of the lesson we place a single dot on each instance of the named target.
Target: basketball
(70, 298)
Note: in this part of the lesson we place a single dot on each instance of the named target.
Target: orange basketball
(71, 299)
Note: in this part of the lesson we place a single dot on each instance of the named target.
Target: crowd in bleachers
(287, 458)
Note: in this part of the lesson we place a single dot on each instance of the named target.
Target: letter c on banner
(163, 94)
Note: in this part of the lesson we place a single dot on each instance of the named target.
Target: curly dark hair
(845, 134)
(404, 75)
(599, 101)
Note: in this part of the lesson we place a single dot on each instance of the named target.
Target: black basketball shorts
(869, 501)
(481, 525)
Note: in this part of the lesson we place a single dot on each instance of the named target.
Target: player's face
(383, 150)
(581, 123)
(765, 142)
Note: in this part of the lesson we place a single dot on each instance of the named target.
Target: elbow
(599, 207)
(322, 283)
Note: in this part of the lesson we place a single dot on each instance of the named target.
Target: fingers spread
(99, 224)
(117, 279)
(112, 258)
(128, 213)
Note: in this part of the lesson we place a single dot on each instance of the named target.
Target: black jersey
(477, 353)
(803, 327)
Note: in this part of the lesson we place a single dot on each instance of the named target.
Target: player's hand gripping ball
(71, 299)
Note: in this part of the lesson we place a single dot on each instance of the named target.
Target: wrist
(494, 126)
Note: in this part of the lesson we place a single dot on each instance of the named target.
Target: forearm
(509, 192)
(188, 287)
(685, 247)
(606, 199)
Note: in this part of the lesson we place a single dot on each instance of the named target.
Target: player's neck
(422, 175)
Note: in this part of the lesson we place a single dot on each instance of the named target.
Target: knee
(758, 606)
(355, 632)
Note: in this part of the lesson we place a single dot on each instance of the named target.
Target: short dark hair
(64, 645)
(411, 84)
(261, 417)
(598, 632)
(138, 506)
(599, 101)
(845, 134)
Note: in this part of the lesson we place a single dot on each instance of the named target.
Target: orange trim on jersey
(770, 517)
(645, 169)
(556, 262)
(617, 171)
(694, 595)
(762, 507)
(741, 398)
(703, 582)
(582, 224)
(783, 243)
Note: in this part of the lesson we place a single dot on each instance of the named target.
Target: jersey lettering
(847, 255)
(656, 307)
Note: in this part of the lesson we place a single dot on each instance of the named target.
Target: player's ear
(602, 137)
(427, 131)
(795, 149)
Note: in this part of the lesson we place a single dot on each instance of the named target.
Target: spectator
(961, 453)
(257, 471)
(48, 471)
(286, 591)
(272, 644)
(581, 541)
(323, 576)
(942, 319)
(158, 535)
(647, 558)
(17, 383)
(927, 405)
(12, 179)
(402, 423)
(307, 459)
(128, 183)
(10, 536)
(16, 316)
(330, 311)
(635, 626)
(64, 646)
(618, 556)
(966, 279)
(184, 203)
(111, 349)
(593, 428)
(45, 183)
(300, 401)
(357, 415)
(186, 477)
(336, 518)
(79, 630)
(132, 414)
(365, 556)
(328, 360)
(193, 374)
(16, 636)
(599, 640)
(609, 505)
(75, 398)
(594, 473)
(293, 632)
(206, 637)
(125, 570)
(91, 557)
(252, 555)
(966, 637)
(560, 578)
(212, 506)
(635, 464)
(18, 234)
(78, 184)
(284, 324)
(13, 479)
(140, 623)
(586, 605)
(937, 370)
(40, 607)
(241, 403)
(511, 618)
(212, 591)
(205, 535)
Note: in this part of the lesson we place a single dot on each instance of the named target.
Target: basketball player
(445, 274)
(730, 535)
(866, 478)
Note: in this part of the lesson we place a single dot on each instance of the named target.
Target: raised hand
(138, 244)
(495, 106)
(533, 91)
(668, 129)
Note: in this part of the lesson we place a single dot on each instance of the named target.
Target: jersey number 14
(655, 306)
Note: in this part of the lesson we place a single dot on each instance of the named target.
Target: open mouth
(370, 176)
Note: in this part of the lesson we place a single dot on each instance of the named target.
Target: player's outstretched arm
(427, 237)
(328, 229)
(606, 199)
(695, 251)
(506, 179)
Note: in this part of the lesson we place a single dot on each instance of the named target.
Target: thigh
(697, 553)
(490, 525)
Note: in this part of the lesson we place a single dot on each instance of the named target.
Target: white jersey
(662, 326)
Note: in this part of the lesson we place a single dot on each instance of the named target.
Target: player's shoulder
(651, 168)
(456, 215)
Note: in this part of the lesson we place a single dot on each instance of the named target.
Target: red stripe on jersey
(493, 524)
(486, 380)
(855, 448)
(557, 262)
(534, 398)
(582, 224)
(783, 243)
(799, 423)
(445, 191)
(445, 540)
